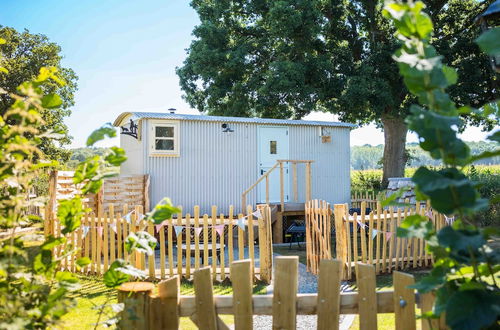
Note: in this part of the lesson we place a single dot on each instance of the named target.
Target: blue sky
(125, 53)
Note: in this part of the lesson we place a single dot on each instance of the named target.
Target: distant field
(371, 179)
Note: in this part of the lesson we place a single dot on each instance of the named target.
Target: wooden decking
(278, 211)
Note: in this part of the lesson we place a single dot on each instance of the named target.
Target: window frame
(153, 152)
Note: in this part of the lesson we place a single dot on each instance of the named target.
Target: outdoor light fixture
(226, 128)
(489, 19)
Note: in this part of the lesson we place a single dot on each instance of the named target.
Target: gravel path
(308, 283)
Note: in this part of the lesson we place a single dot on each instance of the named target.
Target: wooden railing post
(340, 236)
(308, 181)
(367, 296)
(295, 189)
(282, 187)
(330, 273)
(135, 296)
(404, 301)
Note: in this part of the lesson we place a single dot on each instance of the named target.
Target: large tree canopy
(284, 59)
(23, 55)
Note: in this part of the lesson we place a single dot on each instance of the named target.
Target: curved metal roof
(174, 116)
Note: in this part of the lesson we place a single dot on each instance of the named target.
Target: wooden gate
(318, 233)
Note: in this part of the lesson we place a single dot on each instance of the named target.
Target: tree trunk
(394, 159)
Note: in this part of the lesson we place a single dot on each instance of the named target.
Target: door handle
(261, 172)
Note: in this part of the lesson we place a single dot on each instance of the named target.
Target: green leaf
(116, 156)
(416, 226)
(141, 242)
(392, 199)
(83, 261)
(484, 154)
(428, 283)
(489, 41)
(114, 278)
(67, 279)
(463, 244)
(43, 263)
(51, 242)
(70, 213)
(163, 211)
(51, 101)
(450, 74)
(100, 133)
(472, 309)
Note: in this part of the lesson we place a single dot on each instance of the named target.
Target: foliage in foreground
(33, 289)
(466, 269)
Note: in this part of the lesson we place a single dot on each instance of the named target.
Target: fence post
(285, 293)
(330, 273)
(51, 206)
(265, 244)
(206, 317)
(164, 308)
(339, 211)
(134, 296)
(367, 296)
(404, 301)
(146, 193)
(241, 277)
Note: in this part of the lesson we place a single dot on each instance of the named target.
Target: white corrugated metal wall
(214, 168)
(331, 168)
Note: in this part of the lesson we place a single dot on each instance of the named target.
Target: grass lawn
(93, 293)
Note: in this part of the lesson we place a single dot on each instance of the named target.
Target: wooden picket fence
(371, 238)
(369, 197)
(318, 233)
(214, 241)
(145, 309)
(119, 190)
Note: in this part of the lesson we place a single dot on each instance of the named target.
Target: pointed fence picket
(143, 309)
(185, 243)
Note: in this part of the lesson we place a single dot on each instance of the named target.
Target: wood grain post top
(136, 287)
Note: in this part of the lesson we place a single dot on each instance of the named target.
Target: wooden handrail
(265, 176)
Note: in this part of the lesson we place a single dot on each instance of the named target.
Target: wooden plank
(349, 249)
(392, 230)
(330, 274)
(251, 251)
(163, 309)
(151, 258)
(241, 277)
(147, 181)
(427, 303)
(205, 307)
(188, 246)
(196, 237)
(112, 234)
(397, 241)
(241, 242)
(370, 240)
(100, 223)
(105, 241)
(230, 235)
(363, 235)
(380, 234)
(222, 249)
(205, 240)
(404, 301)
(308, 181)
(295, 187)
(355, 252)
(367, 300)
(162, 251)
(267, 189)
(93, 240)
(170, 246)
(282, 187)
(178, 237)
(214, 241)
(285, 292)
(86, 238)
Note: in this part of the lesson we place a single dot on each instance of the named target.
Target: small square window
(164, 144)
(164, 138)
(273, 146)
(164, 131)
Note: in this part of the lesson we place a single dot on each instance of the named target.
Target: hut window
(273, 147)
(164, 139)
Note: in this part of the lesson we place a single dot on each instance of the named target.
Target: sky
(125, 53)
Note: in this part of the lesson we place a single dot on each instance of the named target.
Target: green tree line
(370, 157)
